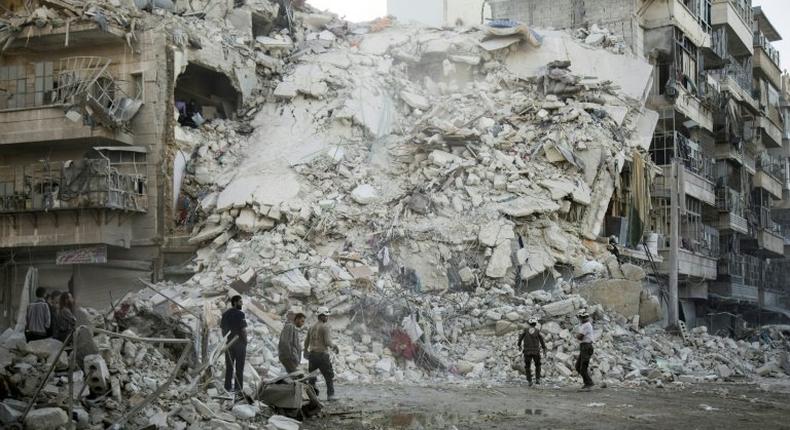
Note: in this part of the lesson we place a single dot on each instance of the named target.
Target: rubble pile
(435, 188)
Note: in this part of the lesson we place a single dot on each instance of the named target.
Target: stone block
(632, 272)
(562, 307)
(618, 295)
(46, 419)
(500, 261)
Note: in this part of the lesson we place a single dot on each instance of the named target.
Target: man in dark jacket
(532, 342)
(233, 325)
(289, 348)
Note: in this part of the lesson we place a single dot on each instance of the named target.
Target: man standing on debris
(290, 348)
(38, 318)
(317, 344)
(234, 325)
(66, 320)
(586, 336)
(53, 299)
(532, 343)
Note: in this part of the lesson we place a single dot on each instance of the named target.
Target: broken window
(203, 94)
(686, 64)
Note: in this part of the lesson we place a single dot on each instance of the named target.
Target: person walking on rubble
(532, 342)
(233, 325)
(317, 344)
(38, 317)
(290, 348)
(586, 336)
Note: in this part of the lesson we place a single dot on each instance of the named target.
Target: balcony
(736, 16)
(691, 19)
(72, 99)
(56, 229)
(739, 276)
(698, 252)
(766, 60)
(735, 78)
(89, 183)
(696, 177)
(769, 173)
(731, 210)
(766, 240)
(78, 34)
(770, 135)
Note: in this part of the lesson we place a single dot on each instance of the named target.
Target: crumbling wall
(619, 16)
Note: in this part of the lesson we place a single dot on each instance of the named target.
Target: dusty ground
(703, 406)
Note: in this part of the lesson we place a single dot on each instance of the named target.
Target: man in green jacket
(532, 341)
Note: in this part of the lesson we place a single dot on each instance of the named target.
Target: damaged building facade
(91, 102)
(721, 98)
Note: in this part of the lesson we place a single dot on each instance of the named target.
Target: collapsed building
(434, 187)
(721, 95)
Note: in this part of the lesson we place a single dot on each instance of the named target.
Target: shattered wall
(618, 16)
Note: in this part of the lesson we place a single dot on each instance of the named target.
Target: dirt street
(702, 406)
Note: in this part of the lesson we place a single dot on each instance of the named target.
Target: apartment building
(721, 99)
(90, 162)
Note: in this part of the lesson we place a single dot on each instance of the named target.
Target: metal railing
(701, 239)
(739, 71)
(669, 145)
(731, 265)
(730, 200)
(78, 184)
(761, 218)
(744, 9)
(771, 165)
(761, 41)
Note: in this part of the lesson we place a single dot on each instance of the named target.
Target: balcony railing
(760, 217)
(701, 239)
(744, 9)
(761, 41)
(70, 81)
(730, 200)
(771, 165)
(739, 71)
(79, 184)
(666, 146)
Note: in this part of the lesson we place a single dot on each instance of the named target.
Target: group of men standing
(50, 315)
(317, 344)
(530, 342)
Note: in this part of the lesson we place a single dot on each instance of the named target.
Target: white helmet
(532, 320)
(323, 310)
(582, 313)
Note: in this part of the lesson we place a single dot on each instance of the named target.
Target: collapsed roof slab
(632, 74)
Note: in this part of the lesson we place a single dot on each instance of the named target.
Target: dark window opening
(202, 94)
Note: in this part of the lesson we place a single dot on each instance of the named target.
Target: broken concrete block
(201, 408)
(244, 412)
(618, 295)
(415, 101)
(279, 422)
(364, 194)
(495, 232)
(97, 376)
(595, 39)
(500, 261)
(207, 233)
(12, 340)
(443, 159)
(247, 220)
(476, 355)
(46, 419)
(285, 90)
(294, 282)
(8, 415)
(217, 424)
(562, 307)
(538, 261)
(724, 371)
(43, 348)
(528, 205)
(632, 272)
(504, 327)
(467, 276)
(649, 309)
